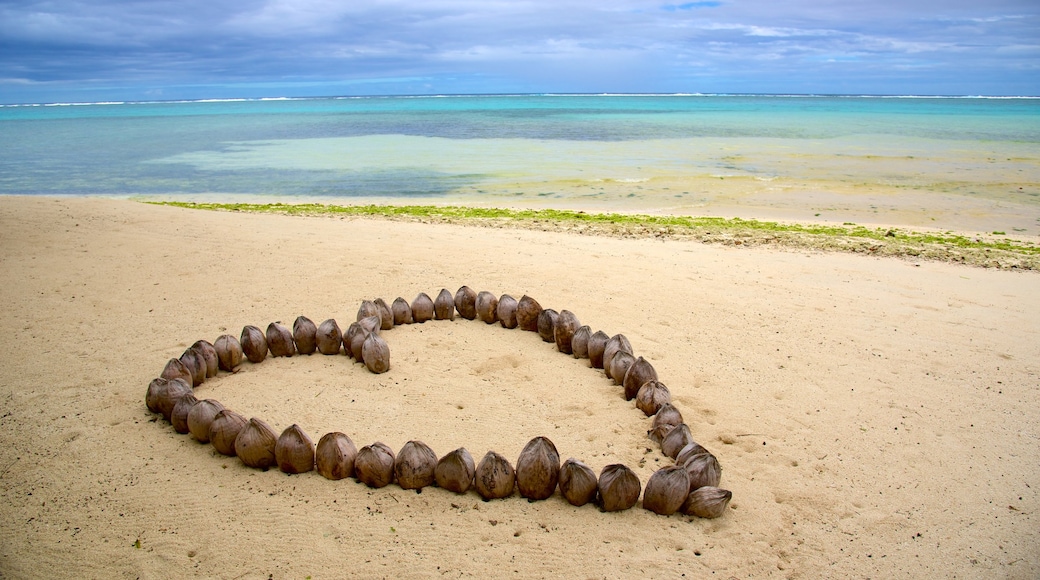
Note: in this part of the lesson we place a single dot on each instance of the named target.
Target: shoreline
(987, 250)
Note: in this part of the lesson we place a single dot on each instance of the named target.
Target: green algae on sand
(982, 250)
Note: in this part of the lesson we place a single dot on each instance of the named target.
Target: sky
(111, 50)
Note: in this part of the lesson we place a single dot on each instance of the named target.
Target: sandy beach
(874, 418)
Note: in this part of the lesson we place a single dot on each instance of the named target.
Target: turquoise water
(504, 147)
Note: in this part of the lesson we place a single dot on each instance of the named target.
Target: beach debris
(538, 469)
(652, 396)
(375, 353)
(201, 416)
(294, 450)
(494, 477)
(224, 430)
(374, 465)
(422, 308)
(328, 338)
(619, 488)
(402, 311)
(254, 344)
(280, 340)
(255, 444)
(229, 353)
(577, 482)
(414, 465)
(305, 335)
(466, 302)
(335, 455)
(527, 311)
(597, 344)
(707, 502)
(487, 307)
(444, 306)
(563, 330)
(547, 324)
(666, 490)
(179, 415)
(506, 311)
(455, 471)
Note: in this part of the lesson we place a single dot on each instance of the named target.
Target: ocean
(674, 153)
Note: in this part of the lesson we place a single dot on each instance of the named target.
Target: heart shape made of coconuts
(689, 486)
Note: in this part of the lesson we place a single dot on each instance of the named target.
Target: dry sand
(873, 417)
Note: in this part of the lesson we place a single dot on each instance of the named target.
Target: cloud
(189, 47)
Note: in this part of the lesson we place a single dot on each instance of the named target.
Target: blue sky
(101, 50)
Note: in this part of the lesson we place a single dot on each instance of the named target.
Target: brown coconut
(563, 331)
(305, 335)
(374, 465)
(538, 469)
(402, 311)
(577, 482)
(414, 465)
(444, 306)
(636, 376)
(179, 416)
(455, 471)
(547, 324)
(176, 369)
(597, 343)
(675, 440)
(201, 416)
(707, 502)
(616, 343)
(328, 337)
(506, 311)
(466, 302)
(652, 396)
(386, 315)
(619, 488)
(294, 451)
(580, 342)
(527, 311)
(335, 455)
(367, 308)
(666, 490)
(703, 469)
(375, 353)
(487, 307)
(224, 430)
(229, 353)
(254, 344)
(196, 365)
(209, 352)
(255, 444)
(422, 308)
(619, 365)
(494, 477)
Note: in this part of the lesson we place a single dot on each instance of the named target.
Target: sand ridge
(873, 417)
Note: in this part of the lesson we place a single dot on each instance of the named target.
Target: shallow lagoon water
(957, 163)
